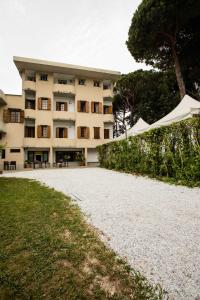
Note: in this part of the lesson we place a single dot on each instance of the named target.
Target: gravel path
(154, 225)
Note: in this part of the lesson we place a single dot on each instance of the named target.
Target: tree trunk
(179, 76)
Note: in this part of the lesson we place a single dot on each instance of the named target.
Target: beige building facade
(64, 112)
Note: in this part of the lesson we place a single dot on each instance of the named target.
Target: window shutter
(78, 132)
(100, 108)
(39, 103)
(92, 106)
(66, 133)
(49, 104)
(22, 116)
(110, 110)
(87, 133)
(79, 106)
(87, 107)
(65, 106)
(57, 106)
(39, 131)
(57, 132)
(48, 131)
(6, 116)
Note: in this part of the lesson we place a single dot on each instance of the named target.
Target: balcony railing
(107, 93)
(64, 115)
(64, 143)
(64, 88)
(29, 85)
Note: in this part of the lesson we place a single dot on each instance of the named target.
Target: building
(64, 112)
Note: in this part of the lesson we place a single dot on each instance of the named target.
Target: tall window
(30, 131)
(81, 82)
(44, 131)
(96, 132)
(83, 132)
(61, 106)
(43, 77)
(83, 106)
(97, 83)
(44, 103)
(29, 104)
(96, 107)
(15, 116)
(106, 133)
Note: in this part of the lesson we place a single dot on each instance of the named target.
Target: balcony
(107, 94)
(64, 88)
(108, 118)
(64, 115)
(63, 143)
(30, 113)
(2, 127)
(36, 142)
(29, 85)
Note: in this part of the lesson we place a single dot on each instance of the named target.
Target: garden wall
(171, 152)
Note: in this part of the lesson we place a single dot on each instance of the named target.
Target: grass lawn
(48, 251)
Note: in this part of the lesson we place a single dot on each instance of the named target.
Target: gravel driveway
(154, 225)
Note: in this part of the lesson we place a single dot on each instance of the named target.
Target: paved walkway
(155, 226)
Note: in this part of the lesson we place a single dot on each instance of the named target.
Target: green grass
(48, 251)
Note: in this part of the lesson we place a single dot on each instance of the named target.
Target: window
(62, 81)
(83, 132)
(97, 83)
(96, 132)
(96, 107)
(81, 82)
(14, 116)
(14, 150)
(30, 131)
(107, 109)
(31, 78)
(43, 77)
(106, 133)
(106, 86)
(44, 130)
(61, 106)
(44, 103)
(61, 132)
(29, 104)
(0, 135)
(2, 154)
(82, 106)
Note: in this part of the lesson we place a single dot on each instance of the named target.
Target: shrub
(171, 152)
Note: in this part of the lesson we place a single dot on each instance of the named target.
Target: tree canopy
(147, 94)
(166, 35)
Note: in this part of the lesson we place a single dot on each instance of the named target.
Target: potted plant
(80, 157)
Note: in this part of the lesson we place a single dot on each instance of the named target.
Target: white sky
(85, 32)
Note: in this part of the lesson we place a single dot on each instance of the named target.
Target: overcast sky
(84, 32)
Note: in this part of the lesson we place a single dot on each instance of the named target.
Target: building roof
(24, 63)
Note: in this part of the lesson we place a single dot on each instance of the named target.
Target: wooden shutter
(6, 116)
(92, 107)
(100, 108)
(110, 110)
(57, 132)
(78, 132)
(48, 131)
(57, 106)
(39, 131)
(65, 132)
(78, 105)
(86, 106)
(39, 103)
(87, 133)
(65, 106)
(49, 104)
(22, 116)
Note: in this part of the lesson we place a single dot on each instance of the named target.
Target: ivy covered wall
(171, 152)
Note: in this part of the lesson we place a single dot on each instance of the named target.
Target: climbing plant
(171, 152)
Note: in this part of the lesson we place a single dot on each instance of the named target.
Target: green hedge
(170, 152)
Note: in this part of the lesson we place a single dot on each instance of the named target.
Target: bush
(171, 152)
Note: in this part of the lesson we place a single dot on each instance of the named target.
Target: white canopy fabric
(184, 110)
(139, 126)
